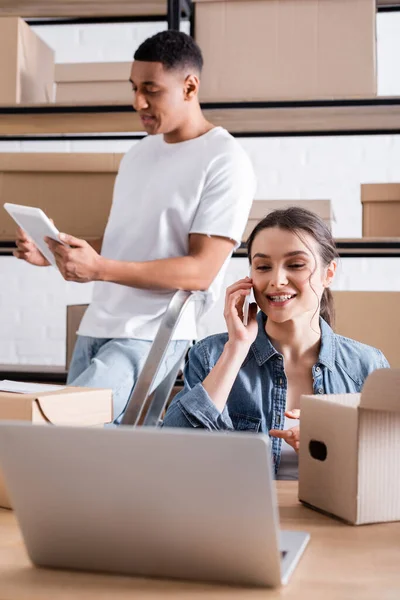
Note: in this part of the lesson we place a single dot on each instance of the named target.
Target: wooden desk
(340, 563)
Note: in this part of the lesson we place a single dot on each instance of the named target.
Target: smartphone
(249, 299)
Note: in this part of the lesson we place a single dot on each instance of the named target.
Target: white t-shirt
(163, 192)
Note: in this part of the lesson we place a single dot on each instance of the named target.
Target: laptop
(149, 502)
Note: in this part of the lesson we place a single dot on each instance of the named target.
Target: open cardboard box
(349, 459)
(68, 406)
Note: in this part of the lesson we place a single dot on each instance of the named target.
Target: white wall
(33, 301)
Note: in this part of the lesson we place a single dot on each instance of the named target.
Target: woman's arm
(202, 403)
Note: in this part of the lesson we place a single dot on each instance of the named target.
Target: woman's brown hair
(297, 220)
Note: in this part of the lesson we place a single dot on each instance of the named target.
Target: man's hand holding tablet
(41, 244)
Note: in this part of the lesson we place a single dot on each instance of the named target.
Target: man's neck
(193, 127)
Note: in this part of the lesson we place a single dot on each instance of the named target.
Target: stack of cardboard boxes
(253, 50)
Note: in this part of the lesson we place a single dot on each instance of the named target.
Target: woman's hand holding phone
(240, 314)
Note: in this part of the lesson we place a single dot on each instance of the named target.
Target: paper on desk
(20, 387)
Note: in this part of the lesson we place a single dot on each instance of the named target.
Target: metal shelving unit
(356, 248)
(369, 116)
(348, 248)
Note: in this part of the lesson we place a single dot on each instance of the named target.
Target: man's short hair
(174, 49)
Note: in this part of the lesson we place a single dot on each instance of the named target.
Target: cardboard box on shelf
(372, 318)
(68, 406)
(75, 190)
(84, 83)
(261, 208)
(26, 64)
(380, 209)
(85, 8)
(288, 50)
(350, 451)
(75, 314)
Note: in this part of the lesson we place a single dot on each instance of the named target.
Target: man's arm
(196, 271)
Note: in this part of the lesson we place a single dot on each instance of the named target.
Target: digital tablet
(37, 225)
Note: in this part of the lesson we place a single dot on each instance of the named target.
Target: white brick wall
(33, 301)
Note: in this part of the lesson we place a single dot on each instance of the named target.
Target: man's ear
(330, 273)
(191, 89)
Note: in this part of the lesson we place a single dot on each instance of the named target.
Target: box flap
(380, 192)
(351, 400)
(75, 406)
(88, 72)
(61, 161)
(381, 391)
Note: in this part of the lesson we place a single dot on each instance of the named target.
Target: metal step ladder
(146, 405)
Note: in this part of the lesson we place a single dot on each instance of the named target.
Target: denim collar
(263, 349)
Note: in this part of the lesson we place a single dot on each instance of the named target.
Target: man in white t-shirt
(181, 202)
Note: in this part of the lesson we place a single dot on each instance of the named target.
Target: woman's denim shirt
(257, 399)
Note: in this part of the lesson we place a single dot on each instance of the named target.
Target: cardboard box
(75, 314)
(380, 209)
(69, 406)
(261, 208)
(26, 64)
(350, 451)
(257, 50)
(75, 190)
(84, 8)
(82, 83)
(372, 318)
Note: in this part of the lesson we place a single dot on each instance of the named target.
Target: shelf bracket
(176, 10)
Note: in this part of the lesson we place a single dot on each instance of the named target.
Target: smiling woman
(252, 377)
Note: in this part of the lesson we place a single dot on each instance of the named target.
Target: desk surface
(340, 563)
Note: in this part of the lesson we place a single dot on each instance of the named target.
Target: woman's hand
(240, 335)
(290, 436)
